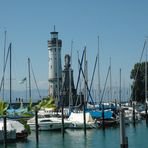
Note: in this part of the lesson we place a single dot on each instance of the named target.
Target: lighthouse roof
(54, 32)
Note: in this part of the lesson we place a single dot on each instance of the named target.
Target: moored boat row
(51, 121)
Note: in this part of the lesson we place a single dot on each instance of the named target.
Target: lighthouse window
(51, 66)
(54, 36)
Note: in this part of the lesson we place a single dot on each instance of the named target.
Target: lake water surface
(95, 138)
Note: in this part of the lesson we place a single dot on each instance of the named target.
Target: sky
(122, 27)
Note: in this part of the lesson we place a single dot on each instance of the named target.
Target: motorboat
(128, 114)
(47, 122)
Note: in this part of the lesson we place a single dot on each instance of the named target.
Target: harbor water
(94, 138)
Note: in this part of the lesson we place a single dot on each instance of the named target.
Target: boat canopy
(78, 117)
(11, 125)
(98, 114)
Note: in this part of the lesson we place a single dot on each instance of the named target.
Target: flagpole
(24, 81)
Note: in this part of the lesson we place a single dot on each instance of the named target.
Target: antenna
(54, 28)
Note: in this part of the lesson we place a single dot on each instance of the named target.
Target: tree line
(138, 74)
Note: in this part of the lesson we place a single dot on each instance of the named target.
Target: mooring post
(146, 114)
(115, 104)
(62, 128)
(36, 125)
(146, 110)
(103, 123)
(84, 116)
(123, 138)
(134, 120)
(5, 130)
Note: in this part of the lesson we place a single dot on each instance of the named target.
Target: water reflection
(95, 138)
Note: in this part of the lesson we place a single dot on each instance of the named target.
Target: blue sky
(121, 25)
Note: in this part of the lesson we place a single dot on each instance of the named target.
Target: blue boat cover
(98, 114)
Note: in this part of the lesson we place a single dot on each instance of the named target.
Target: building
(68, 90)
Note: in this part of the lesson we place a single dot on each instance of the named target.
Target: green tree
(47, 102)
(30, 105)
(3, 107)
(138, 86)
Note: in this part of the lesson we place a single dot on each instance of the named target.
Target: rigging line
(79, 72)
(80, 68)
(105, 85)
(70, 77)
(4, 62)
(77, 83)
(93, 74)
(85, 82)
(139, 62)
(71, 52)
(35, 82)
(2, 80)
(140, 59)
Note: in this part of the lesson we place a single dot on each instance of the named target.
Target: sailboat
(16, 129)
(21, 112)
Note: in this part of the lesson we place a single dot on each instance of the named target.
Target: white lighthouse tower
(54, 63)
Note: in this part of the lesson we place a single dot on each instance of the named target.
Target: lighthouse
(55, 66)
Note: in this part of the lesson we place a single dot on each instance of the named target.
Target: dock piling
(123, 138)
(146, 114)
(103, 122)
(146, 109)
(84, 116)
(134, 120)
(36, 125)
(62, 128)
(5, 130)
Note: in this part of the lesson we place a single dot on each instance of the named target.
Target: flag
(23, 80)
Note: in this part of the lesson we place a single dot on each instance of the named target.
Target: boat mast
(70, 71)
(120, 88)
(10, 76)
(29, 78)
(85, 77)
(57, 56)
(146, 77)
(110, 81)
(99, 91)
